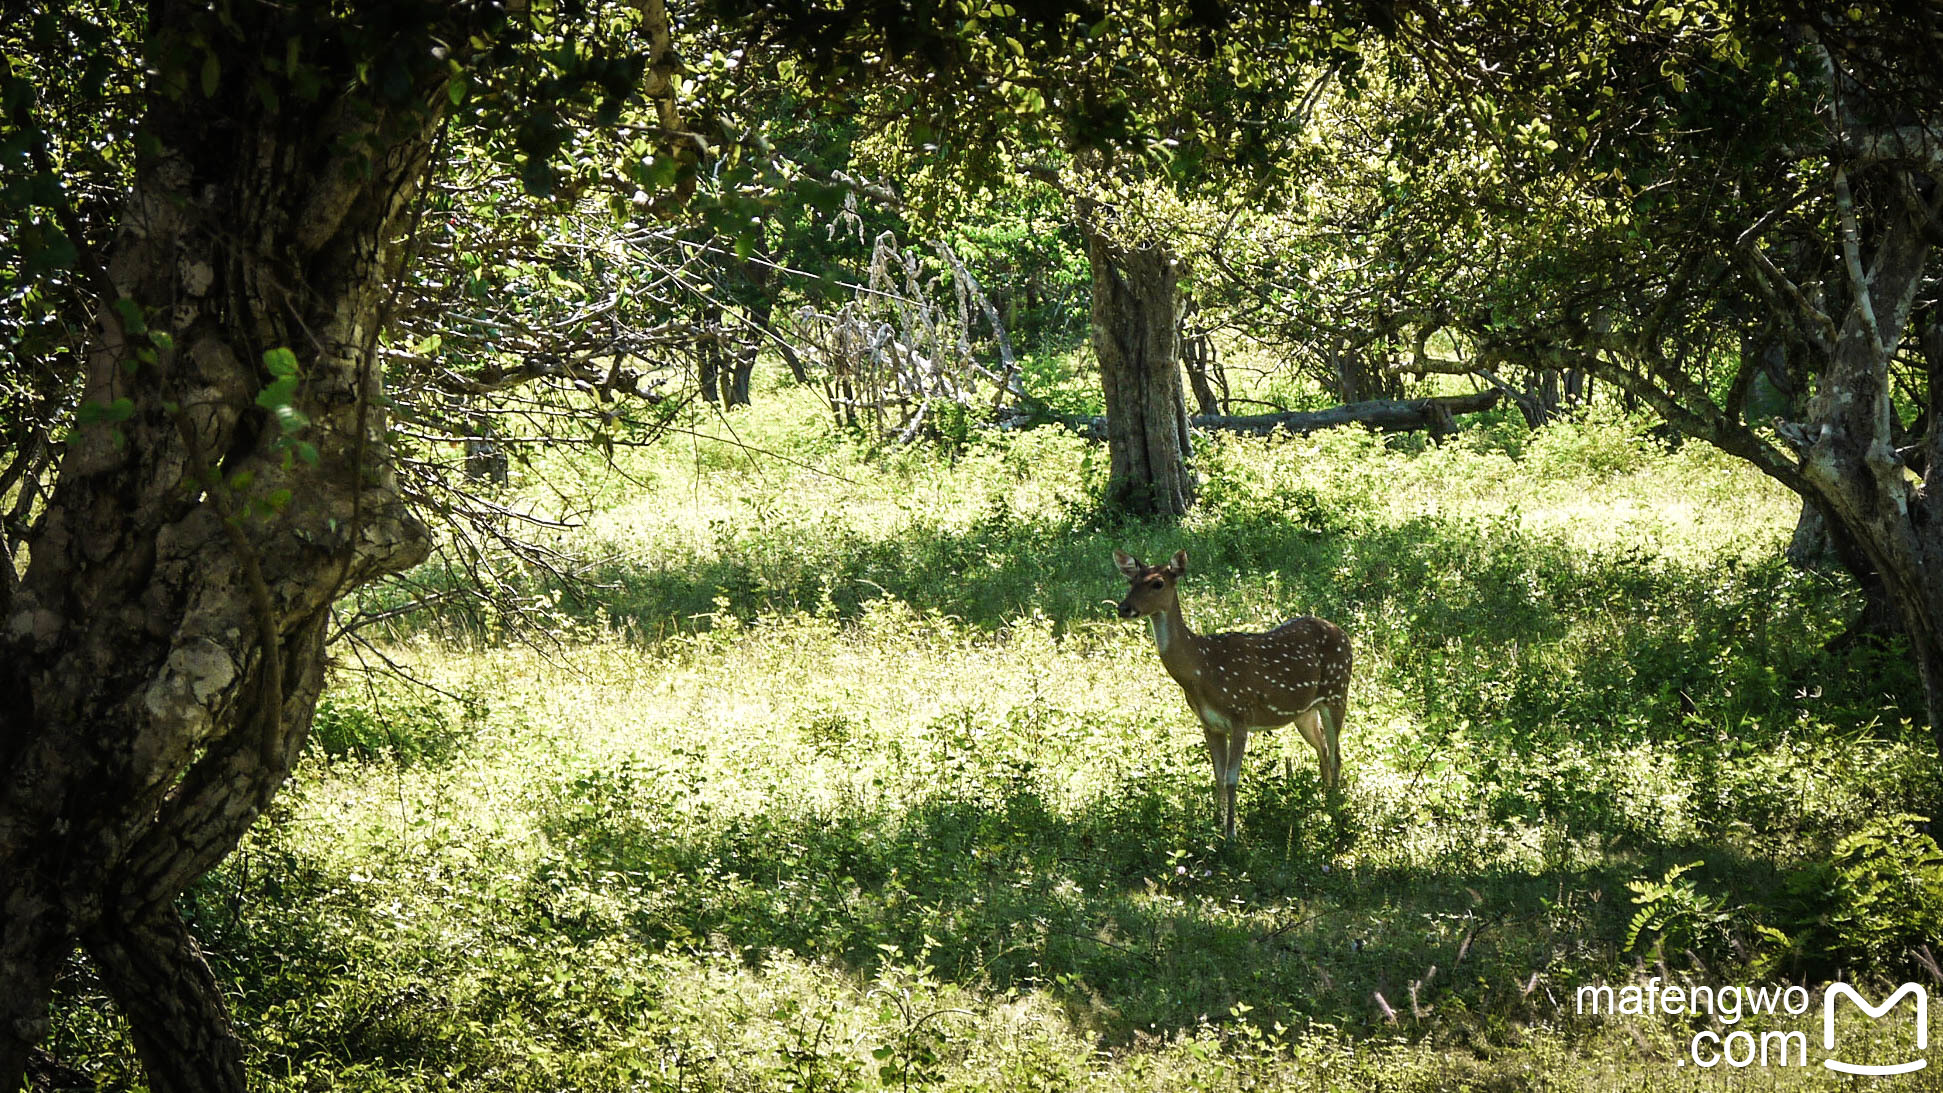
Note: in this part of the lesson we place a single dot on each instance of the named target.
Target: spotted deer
(1297, 672)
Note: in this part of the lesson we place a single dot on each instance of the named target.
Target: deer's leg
(1218, 755)
(1231, 777)
(1335, 710)
(1314, 730)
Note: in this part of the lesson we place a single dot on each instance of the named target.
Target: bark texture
(1204, 374)
(1848, 458)
(1848, 452)
(1136, 320)
(160, 981)
(162, 655)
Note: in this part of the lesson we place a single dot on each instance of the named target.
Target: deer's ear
(1128, 564)
(1178, 563)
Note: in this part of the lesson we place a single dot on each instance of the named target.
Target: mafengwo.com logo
(1727, 1006)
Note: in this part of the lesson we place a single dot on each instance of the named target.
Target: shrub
(391, 718)
(1676, 914)
(1597, 444)
(1879, 895)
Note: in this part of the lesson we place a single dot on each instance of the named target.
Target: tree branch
(1859, 282)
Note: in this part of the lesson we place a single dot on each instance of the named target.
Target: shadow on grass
(1125, 908)
(1550, 667)
(1470, 914)
(1479, 621)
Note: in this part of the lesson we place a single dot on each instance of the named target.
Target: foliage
(1028, 256)
(1674, 914)
(959, 102)
(42, 298)
(849, 779)
(387, 718)
(855, 784)
(1873, 901)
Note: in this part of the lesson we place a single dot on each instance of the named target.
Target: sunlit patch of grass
(848, 778)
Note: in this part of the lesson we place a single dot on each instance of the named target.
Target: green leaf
(48, 249)
(277, 394)
(661, 171)
(212, 74)
(290, 419)
(133, 321)
(90, 413)
(15, 94)
(280, 362)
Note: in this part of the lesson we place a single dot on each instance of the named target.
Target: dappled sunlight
(837, 789)
(802, 812)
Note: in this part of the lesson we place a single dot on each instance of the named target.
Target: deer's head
(1150, 588)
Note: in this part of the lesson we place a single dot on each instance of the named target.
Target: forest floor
(841, 773)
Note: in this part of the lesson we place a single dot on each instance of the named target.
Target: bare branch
(1861, 298)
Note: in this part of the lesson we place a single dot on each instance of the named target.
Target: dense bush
(1873, 902)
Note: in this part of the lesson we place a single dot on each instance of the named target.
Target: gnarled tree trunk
(1848, 448)
(1198, 356)
(1136, 319)
(162, 655)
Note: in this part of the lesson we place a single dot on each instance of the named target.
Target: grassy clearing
(847, 778)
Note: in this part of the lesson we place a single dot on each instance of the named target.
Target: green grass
(846, 777)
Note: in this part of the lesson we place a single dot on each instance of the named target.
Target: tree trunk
(1810, 547)
(711, 364)
(163, 653)
(485, 457)
(1136, 301)
(1203, 368)
(798, 371)
(1818, 544)
(1771, 389)
(158, 978)
(1848, 451)
(736, 393)
(759, 271)
(1356, 377)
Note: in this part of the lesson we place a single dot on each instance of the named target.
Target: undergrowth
(841, 775)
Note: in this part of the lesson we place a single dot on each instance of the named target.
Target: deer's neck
(1180, 650)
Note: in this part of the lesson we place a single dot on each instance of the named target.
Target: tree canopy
(273, 279)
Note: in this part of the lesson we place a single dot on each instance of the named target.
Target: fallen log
(1385, 415)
